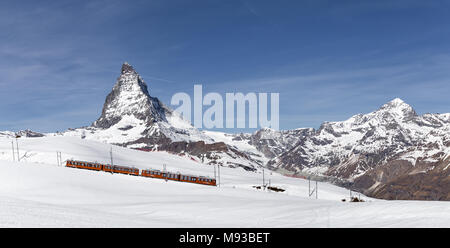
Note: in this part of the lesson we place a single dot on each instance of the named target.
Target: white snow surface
(36, 192)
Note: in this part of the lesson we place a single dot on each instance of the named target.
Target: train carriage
(121, 169)
(84, 165)
(206, 181)
(153, 173)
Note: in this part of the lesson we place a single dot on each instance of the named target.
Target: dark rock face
(433, 185)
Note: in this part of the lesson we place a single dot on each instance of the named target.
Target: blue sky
(328, 60)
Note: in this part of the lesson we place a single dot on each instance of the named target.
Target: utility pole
(112, 162)
(218, 171)
(264, 183)
(309, 186)
(111, 155)
(317, 189)
(58, 158)
(14, 155)
(164, 171)
(17, 144)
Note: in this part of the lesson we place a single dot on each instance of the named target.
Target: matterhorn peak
(130, 97)
(127, 68)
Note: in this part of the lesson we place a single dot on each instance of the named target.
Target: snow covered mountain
(131, 117)
(374, 150)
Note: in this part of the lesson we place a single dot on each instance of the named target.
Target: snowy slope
(37, 193)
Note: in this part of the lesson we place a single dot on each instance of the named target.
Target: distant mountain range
(391, 153)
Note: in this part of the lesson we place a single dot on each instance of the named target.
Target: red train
(145, 173)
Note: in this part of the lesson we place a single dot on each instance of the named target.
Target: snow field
(37, 193)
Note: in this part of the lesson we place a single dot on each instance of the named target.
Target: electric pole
(17, 144)
(309, 186)
(58, 158)
(112, 164)
(164, 171)
(264, 183)
(317, 189)
(218, 171)
(111, 155)
(14, 155)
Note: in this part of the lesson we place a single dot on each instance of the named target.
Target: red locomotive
(145, 173)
